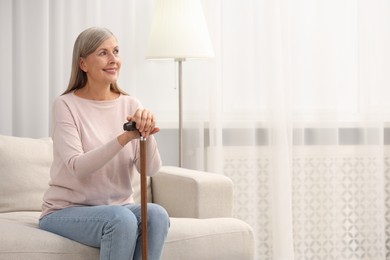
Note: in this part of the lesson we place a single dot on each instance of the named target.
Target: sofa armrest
(188, 193)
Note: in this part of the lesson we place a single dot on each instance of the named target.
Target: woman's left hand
(145, 122)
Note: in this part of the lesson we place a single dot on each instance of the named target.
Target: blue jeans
(115, 229)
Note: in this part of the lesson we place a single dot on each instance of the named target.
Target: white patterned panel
(249, 170)
(338, 200)
(338, 203)
(387, 203)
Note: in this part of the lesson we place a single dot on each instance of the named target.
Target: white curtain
(297, 115)
(293, 108)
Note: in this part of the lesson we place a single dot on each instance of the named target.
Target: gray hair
(86, 43)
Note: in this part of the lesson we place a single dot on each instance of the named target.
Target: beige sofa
(199, 204)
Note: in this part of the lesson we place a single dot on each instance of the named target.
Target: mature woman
(89, 198)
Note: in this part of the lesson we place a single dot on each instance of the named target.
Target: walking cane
(131, 126)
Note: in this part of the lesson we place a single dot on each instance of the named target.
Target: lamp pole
(180, 83)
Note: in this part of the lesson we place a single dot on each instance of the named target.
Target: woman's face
(103, 65)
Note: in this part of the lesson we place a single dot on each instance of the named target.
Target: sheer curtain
(293, 108)
(297, 116)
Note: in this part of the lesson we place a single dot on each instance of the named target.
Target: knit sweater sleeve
(68, 145)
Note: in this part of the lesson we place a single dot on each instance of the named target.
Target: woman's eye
(116, 51)
(102, 53)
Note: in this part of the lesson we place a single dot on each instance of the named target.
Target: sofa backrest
(25, 173)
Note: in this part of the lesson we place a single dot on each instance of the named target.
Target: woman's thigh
(88, 224)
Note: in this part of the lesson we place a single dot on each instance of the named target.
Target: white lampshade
(179, 31)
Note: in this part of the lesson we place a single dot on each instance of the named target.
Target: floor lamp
(179, 32)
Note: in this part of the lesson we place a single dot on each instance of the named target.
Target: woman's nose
(113, 58)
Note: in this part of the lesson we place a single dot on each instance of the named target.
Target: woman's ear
(83, 66)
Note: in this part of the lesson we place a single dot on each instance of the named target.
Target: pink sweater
(89, 166)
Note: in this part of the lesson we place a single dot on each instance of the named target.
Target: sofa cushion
(24, 172)
(188, 238)
(212, 238)
(24, 240)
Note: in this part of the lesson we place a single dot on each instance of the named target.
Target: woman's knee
(122, 218)
(157, 214)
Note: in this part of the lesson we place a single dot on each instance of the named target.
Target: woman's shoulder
(62, 99)
(130, 99)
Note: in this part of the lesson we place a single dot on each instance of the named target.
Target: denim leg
(158, 226)
(112, 228)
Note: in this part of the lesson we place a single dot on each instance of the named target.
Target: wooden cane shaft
(144, 201)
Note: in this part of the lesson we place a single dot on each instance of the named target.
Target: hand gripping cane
(131, 126)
